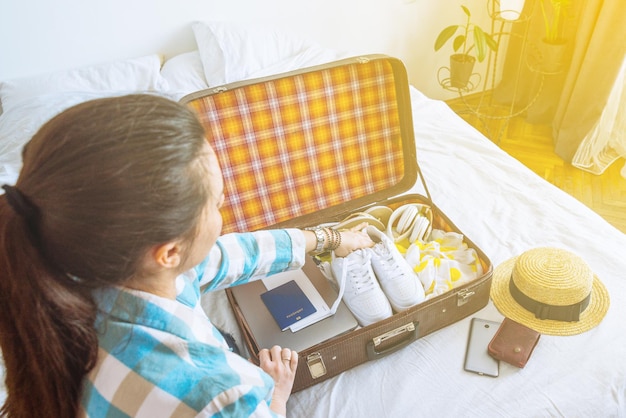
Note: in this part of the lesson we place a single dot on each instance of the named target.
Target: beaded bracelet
(335, 240)
(327, 234)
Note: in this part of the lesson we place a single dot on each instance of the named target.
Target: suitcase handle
(410, 329)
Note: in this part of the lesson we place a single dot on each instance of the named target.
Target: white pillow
(308, 58)
(19, 123)
(235, 51)
(211, 54)
(142, 74)
(184, 73)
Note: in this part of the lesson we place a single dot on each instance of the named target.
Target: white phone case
(477, 358)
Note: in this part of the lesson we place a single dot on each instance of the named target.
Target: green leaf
(491, 43)
(466, 10)
(444, 36)
(458, 42)
(481, 43)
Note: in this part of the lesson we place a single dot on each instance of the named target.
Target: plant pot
(553, 56)
(510, 9)
(461, 67)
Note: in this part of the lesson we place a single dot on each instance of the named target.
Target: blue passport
(288, 304)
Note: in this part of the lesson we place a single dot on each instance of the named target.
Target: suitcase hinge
(463, 296)
(316, 365)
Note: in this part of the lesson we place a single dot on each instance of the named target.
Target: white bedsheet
(505, 209)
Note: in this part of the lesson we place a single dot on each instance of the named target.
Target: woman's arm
(237, 258)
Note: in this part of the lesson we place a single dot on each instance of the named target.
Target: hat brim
(504, 302)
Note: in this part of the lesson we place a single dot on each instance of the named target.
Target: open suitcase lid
(320, 141)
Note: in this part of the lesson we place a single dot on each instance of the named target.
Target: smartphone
(477, 358)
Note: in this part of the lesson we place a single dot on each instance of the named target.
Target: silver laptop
(266, 331)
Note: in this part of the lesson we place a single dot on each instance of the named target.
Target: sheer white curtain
(606, 142)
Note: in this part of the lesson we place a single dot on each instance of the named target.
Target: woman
(108, 238)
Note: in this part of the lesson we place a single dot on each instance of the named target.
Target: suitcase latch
(463, 296)
(316, 365)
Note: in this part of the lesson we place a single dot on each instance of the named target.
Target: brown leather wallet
(513, 343)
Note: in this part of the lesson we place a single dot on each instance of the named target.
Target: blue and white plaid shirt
(163, 358)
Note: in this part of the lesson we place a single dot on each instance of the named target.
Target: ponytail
(46, 327)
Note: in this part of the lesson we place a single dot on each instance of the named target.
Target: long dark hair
(106, 180)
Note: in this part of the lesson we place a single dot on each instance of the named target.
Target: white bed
(501, 205)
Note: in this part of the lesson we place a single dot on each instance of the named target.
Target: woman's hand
(280, 364)
(353, 239)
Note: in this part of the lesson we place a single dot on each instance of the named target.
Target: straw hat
(551, 291)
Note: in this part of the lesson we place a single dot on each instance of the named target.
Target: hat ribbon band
(568, 313)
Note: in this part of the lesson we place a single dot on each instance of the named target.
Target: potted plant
(553, 44)
(462, 63)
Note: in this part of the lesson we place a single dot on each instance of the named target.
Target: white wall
(43, 35)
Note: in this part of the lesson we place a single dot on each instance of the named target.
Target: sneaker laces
(388, 262)
(359, 276)
(363, 281)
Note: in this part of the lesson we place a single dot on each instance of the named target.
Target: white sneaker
(398, 280)
(361, 291)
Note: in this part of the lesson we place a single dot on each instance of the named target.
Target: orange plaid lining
(294, 145)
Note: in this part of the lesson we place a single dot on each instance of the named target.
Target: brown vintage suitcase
(311, 146)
